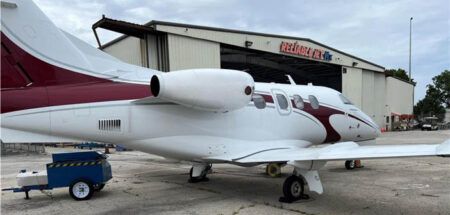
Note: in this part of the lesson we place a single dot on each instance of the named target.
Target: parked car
(430, 123)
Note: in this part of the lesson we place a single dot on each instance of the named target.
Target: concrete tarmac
(148, 184)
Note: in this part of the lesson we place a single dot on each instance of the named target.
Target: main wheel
(273, 170)
(193, 179)
(98, 187)
(350, 164)
(293, 188)
(81, 190)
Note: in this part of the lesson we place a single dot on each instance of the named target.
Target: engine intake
(204, 89)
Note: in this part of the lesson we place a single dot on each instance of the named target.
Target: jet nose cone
(377, 132)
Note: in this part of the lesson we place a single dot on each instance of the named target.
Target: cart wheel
(81, 190)
(98, 187)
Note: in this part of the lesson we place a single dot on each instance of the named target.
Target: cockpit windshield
(345, 100)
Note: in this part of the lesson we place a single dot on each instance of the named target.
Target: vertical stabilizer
(28, 27)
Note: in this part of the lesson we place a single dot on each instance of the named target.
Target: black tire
(293, 188)
(98, 187)
(350, 164)
(273, 170)
(195, 179)
(81, 190)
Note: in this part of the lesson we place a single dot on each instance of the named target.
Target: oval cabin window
(259, 101)
(298, 101)
(282, 101)
(314, 102)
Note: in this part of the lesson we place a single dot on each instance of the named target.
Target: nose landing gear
(352, 164)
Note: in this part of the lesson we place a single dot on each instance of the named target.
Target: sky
(375, 30)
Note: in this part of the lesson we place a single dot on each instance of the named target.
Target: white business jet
(56, 88)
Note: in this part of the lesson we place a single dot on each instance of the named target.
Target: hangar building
(169, 46)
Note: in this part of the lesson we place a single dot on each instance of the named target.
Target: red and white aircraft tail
(43, 66)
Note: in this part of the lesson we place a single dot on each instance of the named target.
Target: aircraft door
(282, 102)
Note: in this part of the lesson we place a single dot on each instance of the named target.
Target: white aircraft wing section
(347, 151)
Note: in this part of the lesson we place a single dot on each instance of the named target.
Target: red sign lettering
(297, 49)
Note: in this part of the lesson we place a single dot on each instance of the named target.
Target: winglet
(444, 149)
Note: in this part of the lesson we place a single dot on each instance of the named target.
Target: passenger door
(282, 102)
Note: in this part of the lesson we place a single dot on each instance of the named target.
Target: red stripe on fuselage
(52, 85)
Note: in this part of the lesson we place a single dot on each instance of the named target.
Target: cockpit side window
(314, 102)
(259, 101)
(345, 100)
(298, 101)
(282, 101)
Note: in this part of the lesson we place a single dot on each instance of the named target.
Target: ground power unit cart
(82, 172)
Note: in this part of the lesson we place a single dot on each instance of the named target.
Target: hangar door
(270, 67)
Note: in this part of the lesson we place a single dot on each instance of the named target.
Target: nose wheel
(352, 164)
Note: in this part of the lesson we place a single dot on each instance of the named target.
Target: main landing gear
(293, 189)
(198, 172)
(274, 169)
(305, 173)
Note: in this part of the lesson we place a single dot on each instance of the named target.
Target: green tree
(442, 84)
(398, 73)
(436, 98)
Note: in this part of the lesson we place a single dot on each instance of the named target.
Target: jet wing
(346, 151)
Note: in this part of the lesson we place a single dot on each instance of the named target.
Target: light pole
(410, 33)
(410, 80)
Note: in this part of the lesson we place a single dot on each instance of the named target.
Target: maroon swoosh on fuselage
(322, 114)
(52, 85)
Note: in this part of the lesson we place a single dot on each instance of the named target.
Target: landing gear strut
(198, 173)
(293, 189)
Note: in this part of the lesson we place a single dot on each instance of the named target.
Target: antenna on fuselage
(291, 80)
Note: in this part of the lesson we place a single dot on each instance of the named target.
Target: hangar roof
(152, 26)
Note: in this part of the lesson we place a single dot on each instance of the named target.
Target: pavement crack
(242, 208)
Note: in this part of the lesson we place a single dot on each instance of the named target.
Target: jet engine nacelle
(205, 89)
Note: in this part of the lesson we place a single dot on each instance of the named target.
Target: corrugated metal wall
(366, 89)
(127, 50)
(352, 85)
(399, 96)
(189, 53)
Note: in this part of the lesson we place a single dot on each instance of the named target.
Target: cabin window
(314, 102)
(345, 100)
(259, 101)
(282, 101)
(298, 101)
